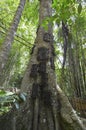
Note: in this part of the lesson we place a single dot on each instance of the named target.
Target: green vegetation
(8, 99)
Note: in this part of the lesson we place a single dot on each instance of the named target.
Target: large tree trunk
(46, 107)
(6, 46)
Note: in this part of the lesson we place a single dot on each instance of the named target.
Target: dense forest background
(69, 30)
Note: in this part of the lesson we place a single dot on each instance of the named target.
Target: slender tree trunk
(6, 46)
(83, 64)
(46, 107)
(65, 37)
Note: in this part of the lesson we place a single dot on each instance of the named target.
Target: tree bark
(6, 46)
(70, 120)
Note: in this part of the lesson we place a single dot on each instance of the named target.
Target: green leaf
(2, 92)
(22, 96)
(79, 8)
(16, 105)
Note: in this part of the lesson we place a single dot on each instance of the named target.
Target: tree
(46, 108)
(6, 46)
